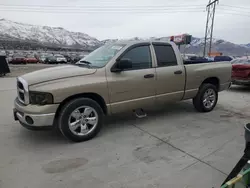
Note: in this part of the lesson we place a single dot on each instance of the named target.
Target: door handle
(178, 72)
(149, 76)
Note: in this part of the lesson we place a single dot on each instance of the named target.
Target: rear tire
(85, 130)
(206, 98)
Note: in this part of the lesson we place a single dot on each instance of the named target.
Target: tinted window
(140, 57)
(165, 55)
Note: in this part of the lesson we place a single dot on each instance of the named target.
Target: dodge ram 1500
(117, 77)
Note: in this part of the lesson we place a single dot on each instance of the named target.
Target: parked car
(18, 59)
(210, 59)
(31, 59)
(60, 58)
(42, 58)
(68, 58)
(50, 59)
(9, 59)
(223, 58)
(115, 78)
(188, 56)
(196, 59)
(241, 72)
(77, 58)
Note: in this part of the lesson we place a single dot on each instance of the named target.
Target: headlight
(40, 98)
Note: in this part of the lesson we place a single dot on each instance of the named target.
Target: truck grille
(22, 91)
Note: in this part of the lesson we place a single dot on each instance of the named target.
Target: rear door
(133, 88)
(170, 75)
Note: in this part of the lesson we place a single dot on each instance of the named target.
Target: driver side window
(140, 57)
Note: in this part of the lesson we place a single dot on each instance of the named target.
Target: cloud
(131, 23)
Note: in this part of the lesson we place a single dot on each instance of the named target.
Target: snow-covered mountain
(197, 46)
(60, 37)
(218, 45)
(10, 30)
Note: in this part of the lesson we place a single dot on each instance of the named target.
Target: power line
(112, 9)
(99, 6)
(105, 11)
(240, 11)
(235, 6)
(232, 13)
(100, 9)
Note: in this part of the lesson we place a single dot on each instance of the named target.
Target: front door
(170, 74)
(135, 87)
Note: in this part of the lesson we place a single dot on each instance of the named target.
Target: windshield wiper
(85, 62)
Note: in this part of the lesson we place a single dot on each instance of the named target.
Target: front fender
(64, 88)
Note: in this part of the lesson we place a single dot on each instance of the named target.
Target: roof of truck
(131, 42)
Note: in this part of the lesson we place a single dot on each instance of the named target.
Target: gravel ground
(17, 70)
(174, 147)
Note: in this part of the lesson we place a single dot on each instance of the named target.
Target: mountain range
(55, 36)
(60, 37)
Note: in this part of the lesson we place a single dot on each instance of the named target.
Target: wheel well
(212, 80)
(92, 96)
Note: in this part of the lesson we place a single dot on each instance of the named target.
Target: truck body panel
(198, 73)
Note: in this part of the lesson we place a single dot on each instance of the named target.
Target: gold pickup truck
(117, 77)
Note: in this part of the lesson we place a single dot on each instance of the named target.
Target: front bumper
(32, 115)
(240, 82)
(34, 120)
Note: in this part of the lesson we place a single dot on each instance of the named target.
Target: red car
(31, 59)
(18, 60)
(241, 72)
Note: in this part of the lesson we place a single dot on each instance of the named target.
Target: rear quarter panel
(197, 73)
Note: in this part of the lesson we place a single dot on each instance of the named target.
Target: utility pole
(209, 26)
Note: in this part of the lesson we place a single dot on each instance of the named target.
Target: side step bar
(140, 113)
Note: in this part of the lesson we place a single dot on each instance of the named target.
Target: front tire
(206, 98)
(80, 119)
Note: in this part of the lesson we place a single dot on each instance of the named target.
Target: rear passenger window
(165, 55)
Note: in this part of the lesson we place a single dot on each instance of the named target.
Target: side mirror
(121, 65)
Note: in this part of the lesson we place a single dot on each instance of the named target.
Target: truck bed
(188, 62)
(197, 72)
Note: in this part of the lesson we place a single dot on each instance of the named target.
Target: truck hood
(56, 73)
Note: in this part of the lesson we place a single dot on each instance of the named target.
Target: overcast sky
(232, 23)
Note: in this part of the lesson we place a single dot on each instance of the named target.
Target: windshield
(101, 56)
(241, 61)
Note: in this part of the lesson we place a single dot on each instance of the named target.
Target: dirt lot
(174, 147)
